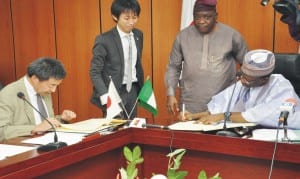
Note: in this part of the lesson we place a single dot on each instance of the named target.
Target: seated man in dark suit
(17, 117)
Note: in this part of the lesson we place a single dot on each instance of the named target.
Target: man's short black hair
(44, 68)
(119, 6)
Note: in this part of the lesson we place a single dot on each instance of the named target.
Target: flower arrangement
(134, 157)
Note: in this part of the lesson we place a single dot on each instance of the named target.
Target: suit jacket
(108, 61)
(16, 116)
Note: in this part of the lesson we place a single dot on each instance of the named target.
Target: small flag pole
(124, 110)
(133, 108)
(136, 101)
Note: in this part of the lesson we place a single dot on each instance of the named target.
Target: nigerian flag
(147, 99)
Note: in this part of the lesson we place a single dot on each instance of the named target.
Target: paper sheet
(69, 138)
(270, 134)
(193, 126)
(10, 150)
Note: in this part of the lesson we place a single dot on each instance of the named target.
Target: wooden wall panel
(7, 61)
(284, 43)
(165, 24)
(251, 19)
(34, 33)
(106, 19)
(76, 28)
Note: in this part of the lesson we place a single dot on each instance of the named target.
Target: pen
(183, 111)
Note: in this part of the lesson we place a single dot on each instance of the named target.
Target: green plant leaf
(177, 160)
(216, 176)
(181, 174)
(130, 168)
(133, 174)
(175, 152)
(136, 152)
(171, 173)
(202, 175)
(140, 160)
(128, 154)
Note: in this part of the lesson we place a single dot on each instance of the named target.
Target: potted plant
(134, 157)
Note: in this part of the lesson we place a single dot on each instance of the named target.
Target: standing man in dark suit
(117, 54)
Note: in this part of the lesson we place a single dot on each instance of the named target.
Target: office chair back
(288, 64)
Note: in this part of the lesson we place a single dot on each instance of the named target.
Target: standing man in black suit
(117, 54)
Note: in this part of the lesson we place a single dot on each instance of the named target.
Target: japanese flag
(113, 99)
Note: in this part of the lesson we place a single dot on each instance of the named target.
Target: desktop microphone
(227, 114)
(53, 145)
(286, 108)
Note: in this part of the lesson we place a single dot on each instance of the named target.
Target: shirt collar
(29, 87)
(123, 34)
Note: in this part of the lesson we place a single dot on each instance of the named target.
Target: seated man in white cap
(255, 98)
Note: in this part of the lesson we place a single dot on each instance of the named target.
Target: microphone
(53, 145)
(227, 114)
(286, 108)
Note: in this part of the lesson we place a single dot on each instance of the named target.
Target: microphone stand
(285, 137)
(50, 146)
(227, 114)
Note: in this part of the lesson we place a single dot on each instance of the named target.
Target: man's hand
(211, 119)
(192, 116)
(172, 105)
(68, 115)
(187, 116)
(44, 125)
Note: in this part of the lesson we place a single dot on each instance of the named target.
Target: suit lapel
(27, 108)
(118, 42)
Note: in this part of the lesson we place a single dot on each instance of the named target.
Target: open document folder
(90, 125)
(194, 126)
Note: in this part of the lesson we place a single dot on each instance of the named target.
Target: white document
(67, 137)
(195, 126)
(137, 122)
(10, 150)
(270, 134)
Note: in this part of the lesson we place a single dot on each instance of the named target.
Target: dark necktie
(41, 106)
(129, 70)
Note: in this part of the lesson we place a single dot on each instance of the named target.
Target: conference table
(102, 156)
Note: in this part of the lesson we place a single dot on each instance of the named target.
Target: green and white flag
(147, 99)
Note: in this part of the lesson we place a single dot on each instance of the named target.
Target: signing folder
(90, 125)
(196, 126)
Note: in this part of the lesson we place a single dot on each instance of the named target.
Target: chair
(288, 64)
